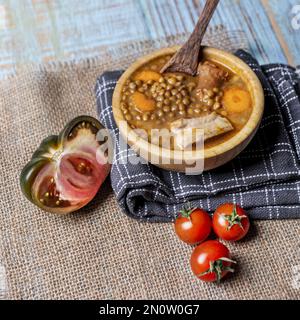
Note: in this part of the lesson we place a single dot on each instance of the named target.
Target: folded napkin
(264, 178)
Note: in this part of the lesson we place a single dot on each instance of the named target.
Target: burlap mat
(99, 253)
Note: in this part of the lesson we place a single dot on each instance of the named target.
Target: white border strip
(3, 283)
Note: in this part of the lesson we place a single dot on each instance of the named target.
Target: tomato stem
(57, 154)
(234, 219)
(217, 267)
(187, 211)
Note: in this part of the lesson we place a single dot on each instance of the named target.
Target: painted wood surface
(49, 30)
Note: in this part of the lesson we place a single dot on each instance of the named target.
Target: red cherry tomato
(230, 222)
(210, 261)
(193, 226)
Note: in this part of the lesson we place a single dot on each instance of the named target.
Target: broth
(153, 100)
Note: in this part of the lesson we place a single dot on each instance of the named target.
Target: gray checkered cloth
(264, 178)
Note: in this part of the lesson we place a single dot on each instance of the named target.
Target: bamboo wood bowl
(213, 157)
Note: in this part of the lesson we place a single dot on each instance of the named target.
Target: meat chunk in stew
(210, 76)
(212, 125)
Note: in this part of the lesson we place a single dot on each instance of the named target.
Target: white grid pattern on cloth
(284, 81)
(264, 178)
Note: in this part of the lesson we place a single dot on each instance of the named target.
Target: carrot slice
(142, 103)
(147, 75)
(236, 100)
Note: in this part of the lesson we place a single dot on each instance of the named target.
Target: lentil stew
(154, 100)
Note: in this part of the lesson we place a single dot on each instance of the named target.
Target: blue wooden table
(46, 30)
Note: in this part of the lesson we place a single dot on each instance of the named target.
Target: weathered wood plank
(284, 17)
(43, 30)
(251, 17)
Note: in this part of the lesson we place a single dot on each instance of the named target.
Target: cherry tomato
(230, 222)
(193, 226)
(67, 170)
(210, 261)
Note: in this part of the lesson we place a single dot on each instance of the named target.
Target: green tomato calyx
(234, 219)
(187, 211)
(217, 267)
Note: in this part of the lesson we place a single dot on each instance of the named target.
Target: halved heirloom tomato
(67, 170)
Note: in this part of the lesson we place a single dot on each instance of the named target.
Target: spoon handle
(186, 60)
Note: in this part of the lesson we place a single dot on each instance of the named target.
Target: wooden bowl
(212, 157)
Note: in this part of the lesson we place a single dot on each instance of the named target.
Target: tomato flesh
(78, 178)
(72, 175)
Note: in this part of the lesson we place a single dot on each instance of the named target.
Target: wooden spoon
(186, 60)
